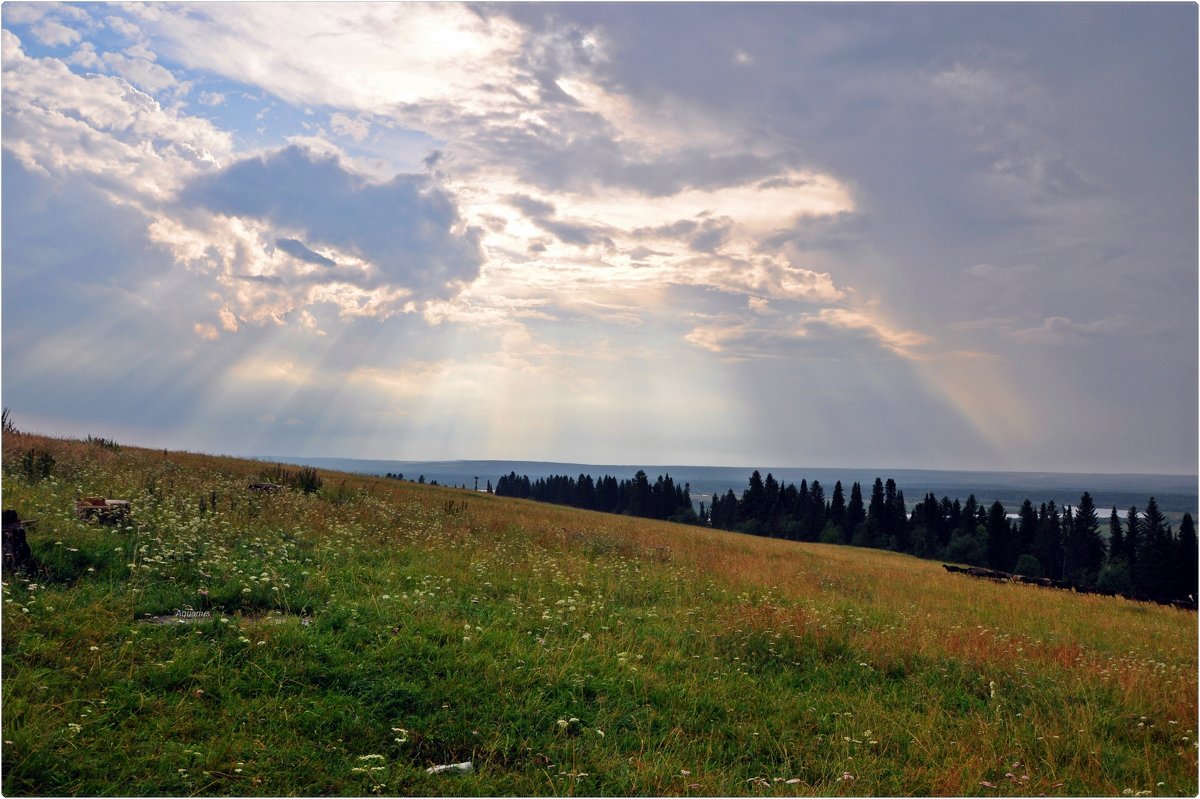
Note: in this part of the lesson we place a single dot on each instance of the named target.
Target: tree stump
(17, 554)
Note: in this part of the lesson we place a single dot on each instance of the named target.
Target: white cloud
(54, 34)
(123, 27)
(449, 52)
(59, 122)
(141, 72)
(356, 128)
(86, 57)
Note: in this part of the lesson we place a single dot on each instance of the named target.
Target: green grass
(363, 633)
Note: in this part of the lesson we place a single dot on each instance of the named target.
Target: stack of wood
(105, 511)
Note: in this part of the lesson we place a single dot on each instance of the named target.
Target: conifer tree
(837, 505)
(998, 532)
(1152, 572)
(1116, 538)
(855, 513)
(1186, 560)
(1048, 547)
(1027, 525)
(1088, 548)
(877, 513)
(816, 510)
(1133, 535)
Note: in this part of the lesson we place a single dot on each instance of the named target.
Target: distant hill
(1176, 494)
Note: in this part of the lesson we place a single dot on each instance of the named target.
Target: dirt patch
(205, 616)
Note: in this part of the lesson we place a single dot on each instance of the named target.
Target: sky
(947, 236)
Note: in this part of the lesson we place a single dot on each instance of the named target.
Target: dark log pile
(1046, 582)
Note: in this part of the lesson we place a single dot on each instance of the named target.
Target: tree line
(662, 499)
(1138, 554)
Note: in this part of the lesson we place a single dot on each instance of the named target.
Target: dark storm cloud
(296, 249)
(408, 227)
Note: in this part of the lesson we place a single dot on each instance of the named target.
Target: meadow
(359, 634)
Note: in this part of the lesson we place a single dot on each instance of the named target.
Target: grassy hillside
(365, 632)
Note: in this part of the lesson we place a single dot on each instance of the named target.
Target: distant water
(1175, 494)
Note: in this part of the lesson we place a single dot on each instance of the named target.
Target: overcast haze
(944, 236)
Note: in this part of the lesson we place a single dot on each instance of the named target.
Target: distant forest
(1137, 555)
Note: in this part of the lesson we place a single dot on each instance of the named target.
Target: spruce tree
(1133, 535)
(877, 516)
(855, 514)
(1152, 572)
(1186, 560)
(1089, 547)
(837, 505)
(1048, 546)
(816, 510)
(1027, 531)
(998, 532)
(1116, 538)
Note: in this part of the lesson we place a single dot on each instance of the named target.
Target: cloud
(55, 34)
(356, 128)
(1061, 330)
(408, 229)
(531, 206)
(123, 27)
(831, 333)
(141, 72)
(1001, 274)
(296, 249)
(124, 140)
(345, 57)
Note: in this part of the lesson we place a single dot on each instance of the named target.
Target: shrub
(1029, 566)
(966, 549)
(1114, 576)
(304, 479)
(37, 465)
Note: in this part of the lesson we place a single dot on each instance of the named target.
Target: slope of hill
(360, 634)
